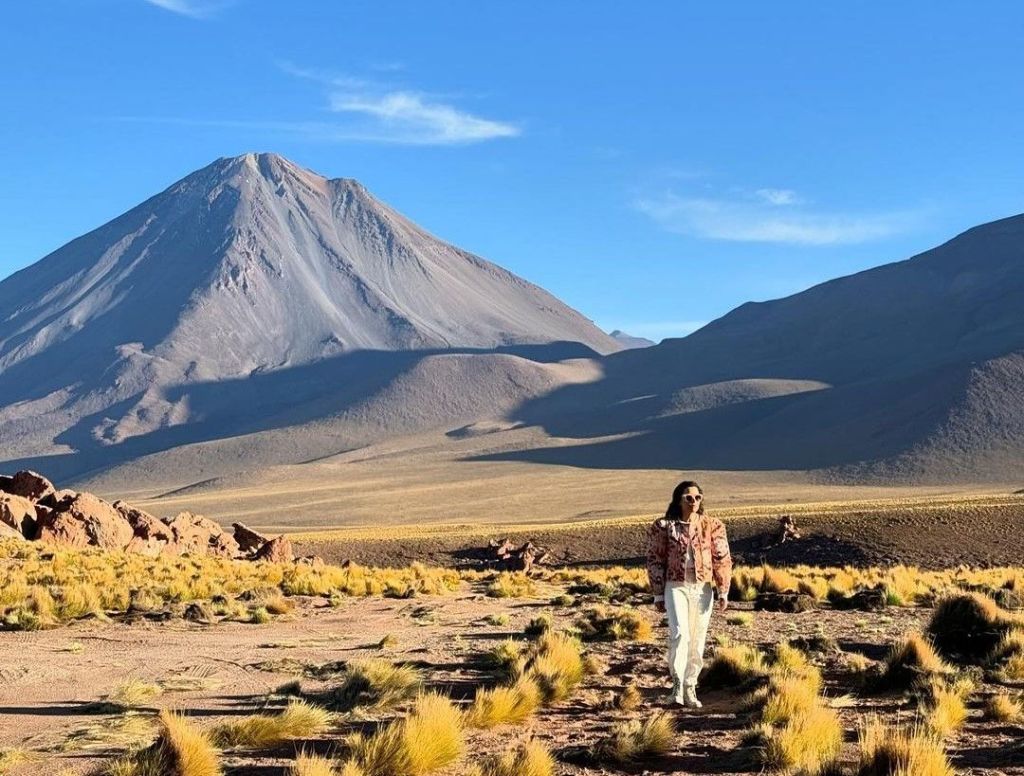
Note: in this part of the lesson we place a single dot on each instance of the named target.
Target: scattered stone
(197, 611)
(247, 538)
(277, 550)
(18, 513)
(506, 556)
(313, 561)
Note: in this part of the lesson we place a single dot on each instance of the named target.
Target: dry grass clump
(1008, 656)
(298, 720)
(629, 699)
(12, 757)
(531, 758)
(312, 765)
(376, 683)
(504, 705)
(507, 658)
(606, 624)
(776, 580)
(969, 626)
(806, 743)
(944, 705)
(430, 738)
(555, 664)
(181, 749)
(133, 693)
(639, 739)
(1002, 707)
(900, 752)
(733, 666)
(511, 584)
(911, 660)
(538, 626)
(743, 619)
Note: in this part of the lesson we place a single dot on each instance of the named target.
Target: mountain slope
(896, 360)
(250, 265)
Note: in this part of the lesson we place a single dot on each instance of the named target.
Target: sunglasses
(691, 499)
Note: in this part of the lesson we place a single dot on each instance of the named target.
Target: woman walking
(688, 564)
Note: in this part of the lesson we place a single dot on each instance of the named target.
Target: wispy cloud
(388, 114)
(768, 215)
(196, 9)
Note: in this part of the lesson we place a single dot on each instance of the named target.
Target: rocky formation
(31, 508)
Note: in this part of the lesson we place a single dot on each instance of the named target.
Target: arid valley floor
(85, 692)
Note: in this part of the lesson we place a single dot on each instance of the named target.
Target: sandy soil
(53, 680)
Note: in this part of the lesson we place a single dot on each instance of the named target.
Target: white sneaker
(690, 700)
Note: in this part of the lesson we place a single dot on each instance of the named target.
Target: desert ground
(83, 693)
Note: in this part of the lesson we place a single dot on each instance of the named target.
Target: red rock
(247, 538)
(104, 525)
(58, 500)
(30, 485)
(277, 550)
(18, 513)
(201, 536)
(62, 528)
(6, 532)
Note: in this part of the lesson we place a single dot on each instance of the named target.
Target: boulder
(61, 528)
(247, 538)
(104, 525)
(201, 536)
(313, 561)
(58, 500)
(30, 485)
(6, 532)
(277, 550)
(18, 513)
(152, 536)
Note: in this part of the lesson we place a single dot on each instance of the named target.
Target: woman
(688, 563)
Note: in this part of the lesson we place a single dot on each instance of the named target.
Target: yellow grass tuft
(733, 665)
(511, 584)
(134, 692)
(968, 626)
(504, 705)
(900, 752)
(312, 765)
(912, 659)
(1002, 707)
(529, 759)
(298, 720)
(806, 743)
(181, 749)
(629, 699)
(376, 683)
(944, 707)
(619, 624)
(430, 738)
(556, 665)
(507, 658)
(638, 739)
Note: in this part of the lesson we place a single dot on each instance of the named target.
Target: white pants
(688, 606)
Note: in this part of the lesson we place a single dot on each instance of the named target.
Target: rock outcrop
(31, 508)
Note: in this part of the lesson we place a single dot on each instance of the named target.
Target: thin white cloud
(393, 115)
(777, 196)
(196, 9)
(770, 215)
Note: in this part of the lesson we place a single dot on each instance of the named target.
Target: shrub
(1001, 707)
(504, 705)
(898, 752)
(638, 739)
(511, 584)
(181, 749)
(556, 666)
(944, 707)
(376, 683)
(498, 620)
(733, 666)
(969, 626)
(506, 658)
(298, 720)
(911, 660)
(806, 743)
(1008, 656)
(538, 626)
(603, 624)
(744, 619)
(529, 759)
(312, 765)
(428, 739)
(775, 580)
(134, 692)
(629, 699)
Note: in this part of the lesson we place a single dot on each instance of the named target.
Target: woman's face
(691, 500)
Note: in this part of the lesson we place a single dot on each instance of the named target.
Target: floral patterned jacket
(666, 553)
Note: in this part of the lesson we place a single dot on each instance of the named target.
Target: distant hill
(194, 314)
(912, 370)
(628, 341)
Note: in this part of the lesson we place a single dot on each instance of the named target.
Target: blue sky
(652, 164)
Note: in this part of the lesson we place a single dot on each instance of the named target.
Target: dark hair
(675, 507)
